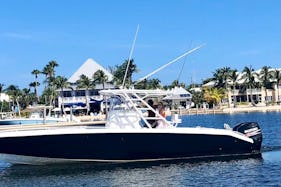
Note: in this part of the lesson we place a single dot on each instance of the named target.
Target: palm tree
(132, 69)
(85, 82)
(49, 95)
(36, 72)
(52, 64)
(49, 71)
(265, 75)
(26, 97)
(100, 77)
(61, 83)
(175, 83)
(14, 92)
(249, 80)
(214, 95)
(277, 78)
(197, 98)
(148, 84)
(142, 85)
(233, 77)
(119, 72)
(34, 85)
(1, 87)
(154, 83)
(221, 77)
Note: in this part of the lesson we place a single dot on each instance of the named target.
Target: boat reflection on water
(175, 172)
(272, 154)
(263, 171)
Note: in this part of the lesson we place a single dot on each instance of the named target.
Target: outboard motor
(252, 130)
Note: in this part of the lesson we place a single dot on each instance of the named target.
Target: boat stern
(253, 131)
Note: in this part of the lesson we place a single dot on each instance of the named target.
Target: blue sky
(237, 34)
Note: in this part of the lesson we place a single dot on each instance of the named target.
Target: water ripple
(263, 171)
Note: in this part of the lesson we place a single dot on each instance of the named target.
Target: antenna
(130, 57)
(169, 63)
(181, 69)
(180, 73)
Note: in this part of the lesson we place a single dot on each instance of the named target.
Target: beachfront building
(178, 97)
(4, 97)
(239, 91)
(83, 98)
(259, 95)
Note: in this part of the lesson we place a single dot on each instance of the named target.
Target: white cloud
(14, 35)
(253, 52)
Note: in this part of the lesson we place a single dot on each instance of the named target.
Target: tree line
(25, 97)
(225, 79)
(52, 83)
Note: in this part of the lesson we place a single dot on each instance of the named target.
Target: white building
(4, 97)
(179, 97)
(240, 93)
(78, 98)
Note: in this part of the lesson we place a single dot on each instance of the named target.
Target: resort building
(4, 97)
(79, 98)
(239, 92)
(178, 97)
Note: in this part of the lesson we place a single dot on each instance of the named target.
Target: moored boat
(37, 116)
(128, 136)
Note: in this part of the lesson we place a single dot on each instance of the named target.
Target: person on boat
(161, 110)
(152, 122)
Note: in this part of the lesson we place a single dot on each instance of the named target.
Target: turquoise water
(265, 171)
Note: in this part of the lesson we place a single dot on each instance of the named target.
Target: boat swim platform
(51, 125)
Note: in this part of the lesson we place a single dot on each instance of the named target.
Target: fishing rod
(169, 63)
(130, 57)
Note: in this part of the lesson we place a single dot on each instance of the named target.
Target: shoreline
(239, 109)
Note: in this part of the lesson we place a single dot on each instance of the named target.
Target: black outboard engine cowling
(252, 130)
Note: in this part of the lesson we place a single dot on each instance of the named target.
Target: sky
(237, 33)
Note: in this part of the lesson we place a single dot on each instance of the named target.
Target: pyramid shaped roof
(89, 68)
(178, 93)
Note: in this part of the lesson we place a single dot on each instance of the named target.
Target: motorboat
(128, 136)
(38, 115)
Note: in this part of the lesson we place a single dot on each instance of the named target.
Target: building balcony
(254, 91)
(246, 92)
(72, 99)
(77, 99)
(234, 92)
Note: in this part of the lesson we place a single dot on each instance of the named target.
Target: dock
(225, 110)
